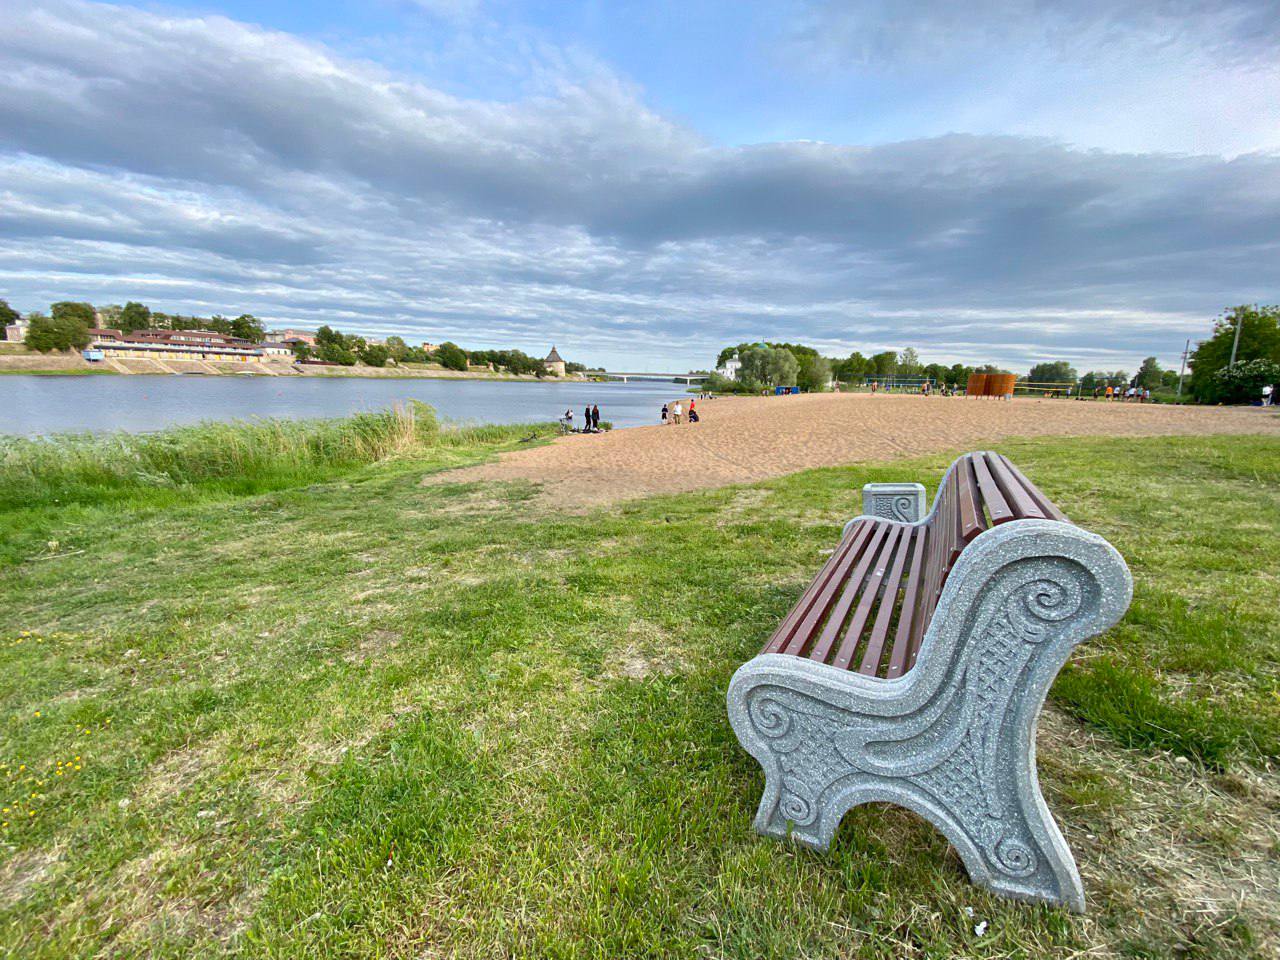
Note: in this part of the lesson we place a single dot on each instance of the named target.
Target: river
(34, 405)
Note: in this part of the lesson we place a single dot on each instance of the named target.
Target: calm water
(38, 405)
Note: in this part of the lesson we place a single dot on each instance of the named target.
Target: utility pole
(1181, 372)
(1235, 344)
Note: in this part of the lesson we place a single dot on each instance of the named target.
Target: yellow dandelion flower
(77, 766)
(37, 713)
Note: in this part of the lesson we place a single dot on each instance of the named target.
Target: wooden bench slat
(870, 590)
(859, 532)
(888, 603)
(910, 622)
(822, 602)
(971, 520)
(997, 507)
(1023, 506)
(857, 581)
(1049, 508)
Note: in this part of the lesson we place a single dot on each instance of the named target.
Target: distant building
(271, 348)
(289, 336)
(16, 332)
(173, 345)
(430, 347)
(554, 363)
(730, 368)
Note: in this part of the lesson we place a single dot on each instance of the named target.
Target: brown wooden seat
(870, 605)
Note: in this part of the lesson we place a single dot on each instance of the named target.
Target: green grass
(363, 716)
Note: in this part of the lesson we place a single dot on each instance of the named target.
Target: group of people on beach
(1131, 393)
(590, 420)
(674, 412)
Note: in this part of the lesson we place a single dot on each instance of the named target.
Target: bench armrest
(894, 501)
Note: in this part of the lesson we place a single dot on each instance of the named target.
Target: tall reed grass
(237, 456)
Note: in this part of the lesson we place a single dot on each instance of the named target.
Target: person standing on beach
(664, 414)
(595, 417)
(586, 418)
(675, 413)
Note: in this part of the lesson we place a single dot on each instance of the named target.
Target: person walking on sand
(595, 417)
(675, 412)
(1109, 391)
(664, 415)
(586, 419)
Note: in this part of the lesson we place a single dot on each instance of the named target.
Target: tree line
(1213, 378)
(66, 327)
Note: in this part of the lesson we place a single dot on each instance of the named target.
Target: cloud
(1182, 75)
(202, 164)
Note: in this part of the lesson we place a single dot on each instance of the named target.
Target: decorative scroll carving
(899, 507)
(903, 502)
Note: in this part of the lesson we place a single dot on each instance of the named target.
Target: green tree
(248, 327)
(1259, 340)
(375, 355)
(1056, 371)
(57, 333)
(134, 316)
(851, 369)
(338, 353)
(783, 367)
(909, 363)
(1149, 374)
(397, 349)
(755, 366)
(69, 310)
(8, 315)
(1242, 381)
(451, 356)
(958, 375)
(814, 374)
(883, 364)
(301, 351)
(326, 334)
(935, 372)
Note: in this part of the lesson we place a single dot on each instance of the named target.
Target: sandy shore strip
(744, 439)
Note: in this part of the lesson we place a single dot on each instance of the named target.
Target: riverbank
(745, 439)
(15, 361)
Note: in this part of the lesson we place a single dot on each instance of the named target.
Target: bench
(913, 669)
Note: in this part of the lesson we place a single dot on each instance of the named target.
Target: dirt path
(744, 439)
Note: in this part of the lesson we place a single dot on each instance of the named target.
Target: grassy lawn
(344, 713)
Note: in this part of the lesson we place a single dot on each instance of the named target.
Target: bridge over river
(669, 377)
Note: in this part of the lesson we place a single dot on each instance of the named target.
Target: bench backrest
(980, 490)
(870, 605)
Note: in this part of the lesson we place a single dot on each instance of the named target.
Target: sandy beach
(742, 439)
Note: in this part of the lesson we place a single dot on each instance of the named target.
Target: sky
(1002, 181)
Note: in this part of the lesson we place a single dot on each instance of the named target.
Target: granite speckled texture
(954, 738)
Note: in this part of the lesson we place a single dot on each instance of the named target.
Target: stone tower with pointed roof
(554, 363)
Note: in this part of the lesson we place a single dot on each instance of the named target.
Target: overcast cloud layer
(206, 165)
